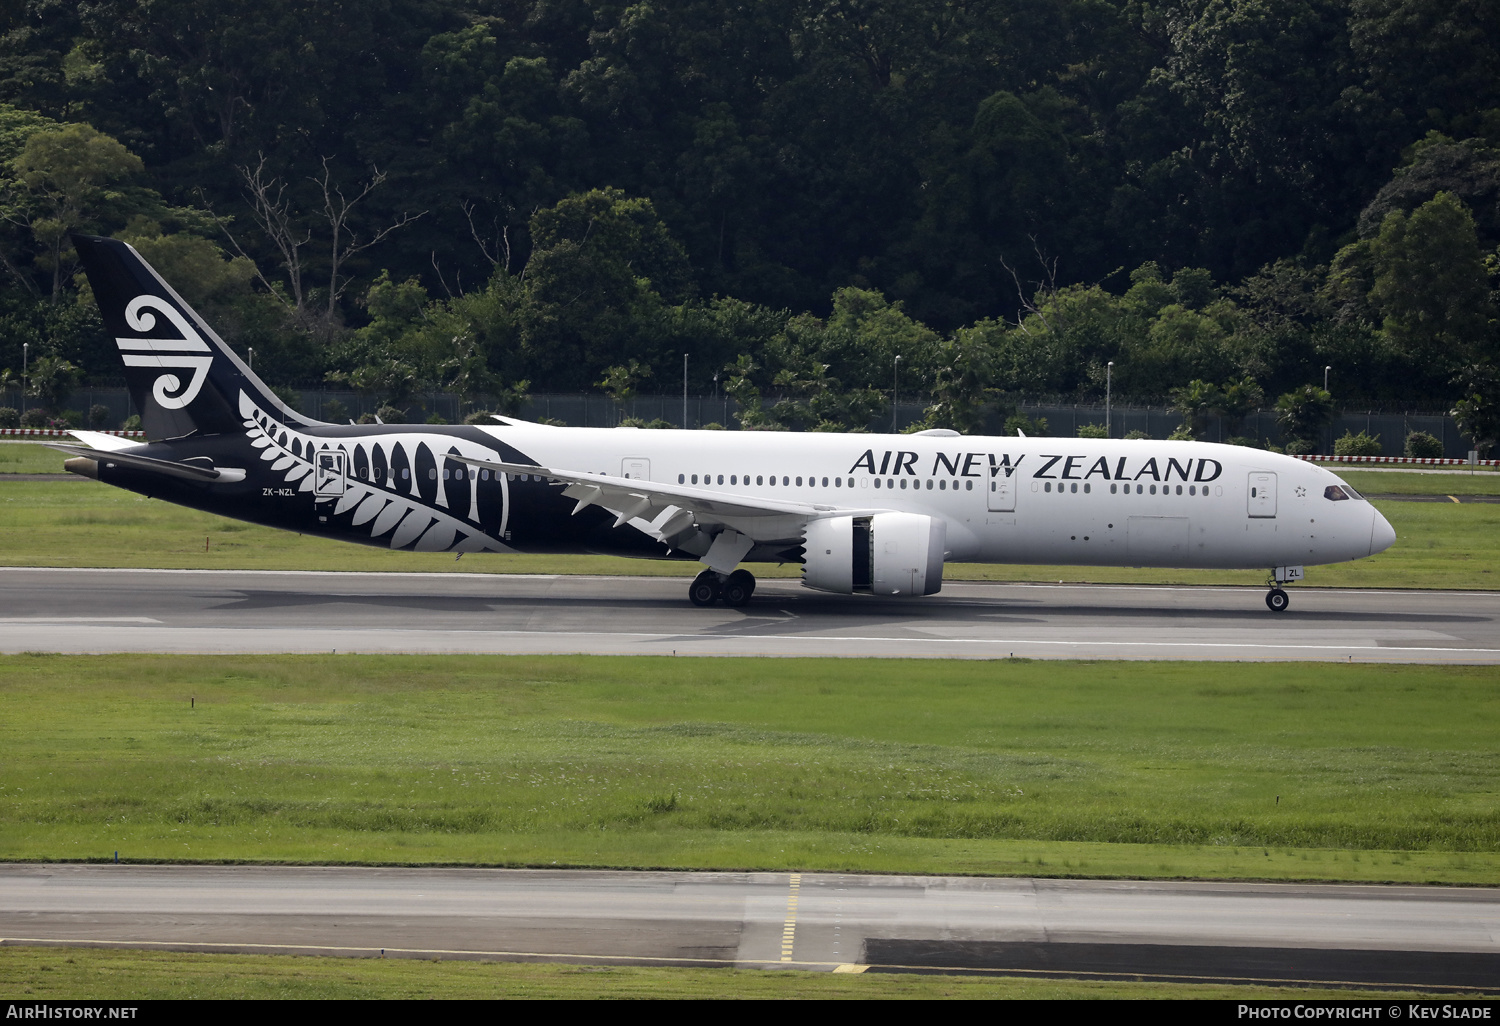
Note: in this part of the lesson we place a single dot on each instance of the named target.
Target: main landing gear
(709, 587)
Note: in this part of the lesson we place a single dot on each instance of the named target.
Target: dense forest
(1220, 198)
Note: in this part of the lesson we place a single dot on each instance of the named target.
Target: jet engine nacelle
(885, 554)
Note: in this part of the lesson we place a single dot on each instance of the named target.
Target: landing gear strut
(735, 589)
(1277, 600)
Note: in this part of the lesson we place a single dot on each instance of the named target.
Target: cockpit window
(1335, 493)
(1352, 493)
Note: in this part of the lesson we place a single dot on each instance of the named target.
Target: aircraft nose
(1382, 534)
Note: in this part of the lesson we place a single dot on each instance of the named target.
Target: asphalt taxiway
(1275, 933)
(215, 612)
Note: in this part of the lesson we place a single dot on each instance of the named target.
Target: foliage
(51, 379)
(1421, 445)
(9, 418)
(1361, 444)
(962, 186)
(1478, 413)
(1092, 431)
(1020, 423)
(1301, 414)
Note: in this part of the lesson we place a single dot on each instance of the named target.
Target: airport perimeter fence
(589, 410)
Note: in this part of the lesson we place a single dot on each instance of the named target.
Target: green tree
(51, 379)
(1478, 412)
(602, 267)
(1430, 284)
(1195, 402)
(1302, 414)
(622, 381)
(962, 378)
(66, 179)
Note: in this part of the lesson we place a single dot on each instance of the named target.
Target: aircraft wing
(634, 499)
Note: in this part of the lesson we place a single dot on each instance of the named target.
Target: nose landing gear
(1277, 599)
(735, 589)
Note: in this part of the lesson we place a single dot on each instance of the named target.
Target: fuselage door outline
(1262, 495)
(329, 468)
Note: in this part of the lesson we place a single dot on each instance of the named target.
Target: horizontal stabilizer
(188, 471)
(103, 441)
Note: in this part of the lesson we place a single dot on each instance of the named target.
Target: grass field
(1089, 769)
(84, 523)
(106, 975)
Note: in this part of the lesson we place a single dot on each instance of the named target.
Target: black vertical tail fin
(181, 375)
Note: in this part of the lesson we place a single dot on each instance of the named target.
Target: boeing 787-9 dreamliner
(862, 513)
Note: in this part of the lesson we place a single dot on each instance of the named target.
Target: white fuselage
(1101, 502)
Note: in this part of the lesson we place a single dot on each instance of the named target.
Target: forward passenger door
(1262, 495)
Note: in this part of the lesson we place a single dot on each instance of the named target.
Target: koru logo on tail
(166, 353)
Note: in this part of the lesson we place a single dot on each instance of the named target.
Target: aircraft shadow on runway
(792, 610)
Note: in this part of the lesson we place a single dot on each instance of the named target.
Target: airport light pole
(252, 357)
(1109, 375)
(1325, 377)
(25, 359)
(895, 394)
(684, 391)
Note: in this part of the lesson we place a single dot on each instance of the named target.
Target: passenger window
(903, 484)
(1047, 486)
(1192, 489)
(929, 484)
(1153, 489)
(825, 482)
(1113, 489)
(969, 485)
(785, 481)
(484, 475)
(405, 473)
(695, 479)
(758, 480)
(799, 482)
(943, 485)
(1073, 489)
(1179, 489)
(432, 474)
(1335, 493)
(1085, 489)
(721, 479)
(733, 479)
(838, 482)
(877, 482)
(682, 479)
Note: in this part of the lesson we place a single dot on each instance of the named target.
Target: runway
(106, 611)
(1389, 936)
